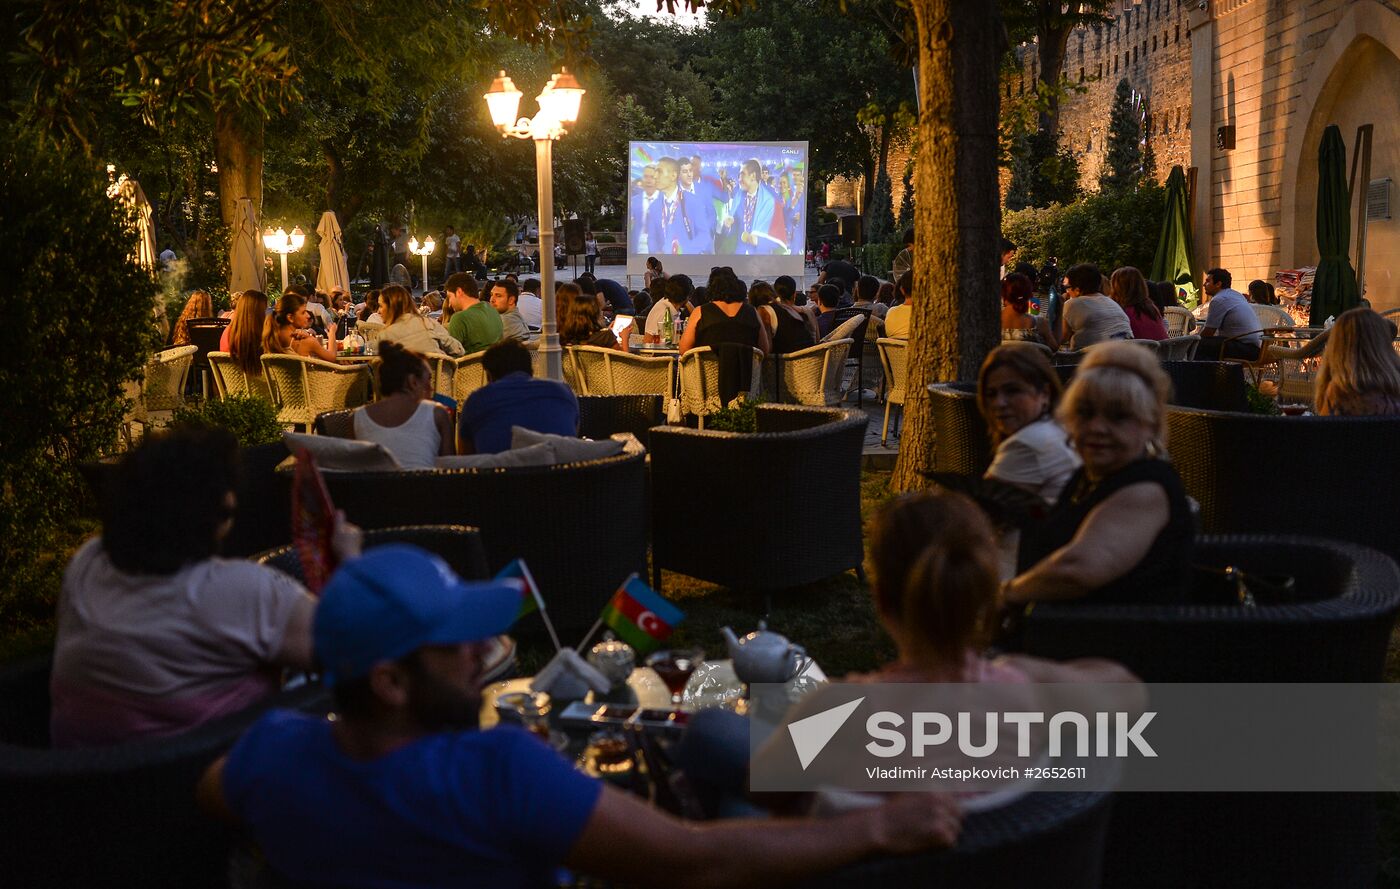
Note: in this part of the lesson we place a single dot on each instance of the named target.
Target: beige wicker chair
(162, 387)
(443, 371)
(699, 377)
(813, 375)
(230, 380)
(468, 375)
(894, 358)
(304, 387)
(370, 330)
(1272, 316)
(1180, 322)
(1178, 348)
(600, 371)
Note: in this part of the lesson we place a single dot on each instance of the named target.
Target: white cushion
(536, 455)
(567, 449)
(343, 454)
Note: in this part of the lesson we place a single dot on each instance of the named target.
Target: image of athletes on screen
(716, 199)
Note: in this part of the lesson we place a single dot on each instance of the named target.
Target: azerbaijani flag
(530, 599)
(639, 616)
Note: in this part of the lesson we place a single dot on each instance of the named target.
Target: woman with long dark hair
(288, 331)
(243, 337)
(1128, 288)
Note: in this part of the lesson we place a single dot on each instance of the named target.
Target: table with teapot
(619, 718)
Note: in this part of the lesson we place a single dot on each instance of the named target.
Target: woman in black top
(727, 318)
(786, 324)
(1122, 529)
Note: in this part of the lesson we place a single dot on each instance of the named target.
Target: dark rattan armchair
(1331, 477)
(600, 416)
(728, 507)
(1042, 839)
(117, 816)
(1333, 628)
(459, 546)
(581, 527)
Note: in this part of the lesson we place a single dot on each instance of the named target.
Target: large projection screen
(696, 205)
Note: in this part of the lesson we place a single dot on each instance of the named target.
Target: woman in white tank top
(412, 427)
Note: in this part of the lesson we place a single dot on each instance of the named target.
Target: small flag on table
(640, 616)
(530, 599)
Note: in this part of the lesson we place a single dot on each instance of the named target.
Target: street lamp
(281, 243)
(425, 251)
(559, 105)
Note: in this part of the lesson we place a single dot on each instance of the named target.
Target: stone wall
(1148, 43)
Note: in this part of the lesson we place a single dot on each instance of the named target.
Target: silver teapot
(764, 656)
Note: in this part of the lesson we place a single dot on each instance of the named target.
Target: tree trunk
(238, 150)
(957, 222)
(1052, 44)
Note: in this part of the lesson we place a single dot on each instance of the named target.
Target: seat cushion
(535, 455)
(343, 454)
(567, 449)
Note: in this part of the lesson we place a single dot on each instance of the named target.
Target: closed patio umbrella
(247, 268)
(1174, 260)
(1334, 285)
(334, 271)
(129, 192)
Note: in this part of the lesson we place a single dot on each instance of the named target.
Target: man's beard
(439, 706)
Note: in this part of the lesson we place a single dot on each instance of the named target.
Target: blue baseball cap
(397, 598)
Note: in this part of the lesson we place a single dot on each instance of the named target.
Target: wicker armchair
(231, 381)
(1213, 385)
(1180, 321)
(1336, 629)
(1178, 348)
(551, 516)
(468, 375)
(370, 330)
(740, 492)
(853, 323)
(813, 375)
(111, 816)
(1272, 316)
(600, 371)
(1333, 477)
(600, 416)
(162, 388)
(699, 378)
(1041, 839)
(304, 387)
(443, 371)
(961, 442)
(894, 359)
(458, 545)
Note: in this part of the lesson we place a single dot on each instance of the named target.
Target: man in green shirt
(474, 322)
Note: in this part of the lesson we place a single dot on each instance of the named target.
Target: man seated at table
(474, 323)
(1231, 328)
(513, 397)
(402, 789)
(675, 298)
(529, 305)
(505, 298)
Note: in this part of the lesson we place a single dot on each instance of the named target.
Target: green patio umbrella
(1174, 258)
(1334, 286)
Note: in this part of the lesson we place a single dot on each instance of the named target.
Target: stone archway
(1352, 81)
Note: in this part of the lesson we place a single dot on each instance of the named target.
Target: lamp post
(559, 105)
(425, 251)
(281, 243)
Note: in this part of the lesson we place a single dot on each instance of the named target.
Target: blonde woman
(1122, 529)
(403, 325)
(1360, 373)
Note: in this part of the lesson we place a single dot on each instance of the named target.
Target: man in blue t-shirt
(401, 789)
(1231, 329)
(513, 397)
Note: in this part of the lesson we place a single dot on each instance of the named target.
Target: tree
(880, 213)
(1123, 160)
(1042, 172)
(1050, 23)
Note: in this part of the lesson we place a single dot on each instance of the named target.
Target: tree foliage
(1110, 229)
(906, 200)
(78, 313)
(881, 213)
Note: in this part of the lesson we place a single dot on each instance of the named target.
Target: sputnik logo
(811, 734)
